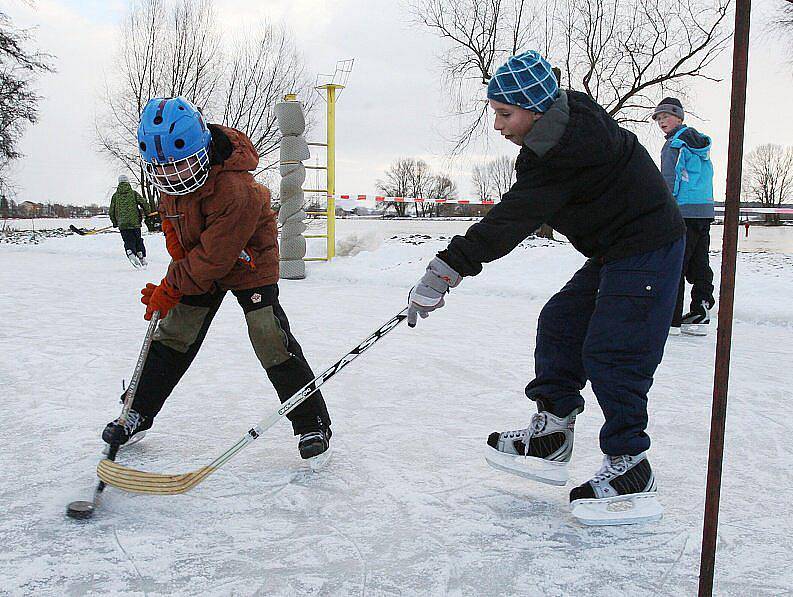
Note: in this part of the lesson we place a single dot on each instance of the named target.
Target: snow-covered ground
(407, 505)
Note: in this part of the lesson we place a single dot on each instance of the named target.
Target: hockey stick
(83, 509)
(137, 481)
(82, 232)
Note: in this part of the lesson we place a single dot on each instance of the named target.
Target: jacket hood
(237, 155)
(590, 137)
(243, 154)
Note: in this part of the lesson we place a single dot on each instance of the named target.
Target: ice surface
(407, 505)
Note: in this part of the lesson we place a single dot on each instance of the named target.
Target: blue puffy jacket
(689, 172)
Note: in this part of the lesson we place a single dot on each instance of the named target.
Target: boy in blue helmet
(221, 235)
(688, 172)
(591, 180)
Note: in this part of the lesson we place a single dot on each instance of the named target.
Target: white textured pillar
(291, 217)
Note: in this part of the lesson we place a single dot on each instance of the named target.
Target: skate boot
(622, 492)
(132, 431)
(540, 452)
(142, 260)
(133, 259)
(696, 321)
(314, 446)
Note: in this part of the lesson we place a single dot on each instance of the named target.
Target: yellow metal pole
(332, 170)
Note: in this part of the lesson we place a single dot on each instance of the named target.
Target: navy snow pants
(609, 325)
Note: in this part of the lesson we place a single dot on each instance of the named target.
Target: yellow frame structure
(330, 169)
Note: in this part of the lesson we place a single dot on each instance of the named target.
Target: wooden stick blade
(136, 481)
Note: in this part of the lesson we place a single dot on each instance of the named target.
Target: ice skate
(697, 321)
(314, 446)
(622, 492)
(540, 452)
(134, 425)
(131, 442)
(142, 260)
(133, 259)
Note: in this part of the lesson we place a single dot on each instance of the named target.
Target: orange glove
(175, 248)
(160, 298)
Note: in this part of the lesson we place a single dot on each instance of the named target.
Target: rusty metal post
(740, 57)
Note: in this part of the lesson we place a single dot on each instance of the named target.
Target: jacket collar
(675, 130)
(548, 130)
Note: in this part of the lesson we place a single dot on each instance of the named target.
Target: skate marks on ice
(407, 505)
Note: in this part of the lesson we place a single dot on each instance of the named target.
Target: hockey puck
(80, 510)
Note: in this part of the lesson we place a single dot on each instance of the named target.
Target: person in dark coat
(585, 176)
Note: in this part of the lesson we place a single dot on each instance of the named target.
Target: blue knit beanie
(525, 80)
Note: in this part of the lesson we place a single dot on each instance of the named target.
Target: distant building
(29, 209)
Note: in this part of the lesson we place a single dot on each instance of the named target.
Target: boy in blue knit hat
(688, 172)
(591, 180)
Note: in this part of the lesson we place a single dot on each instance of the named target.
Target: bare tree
(262, 68)
(397, 183)
(18, 101)
(768, 177)
(480, 180)
(502, 174)
(168, 48)
(781, 25)
(441, 187)
(784, 16)
(493, 178)
(623, 53)
(409, 177)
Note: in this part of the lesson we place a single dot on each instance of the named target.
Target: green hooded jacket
(127, 208)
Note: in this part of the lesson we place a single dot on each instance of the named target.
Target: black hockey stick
(82, 509)
(83, 232)
(136, 481)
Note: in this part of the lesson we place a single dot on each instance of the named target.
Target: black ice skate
(314, 446)
(132, 431)
(622, 492)
(540, 452)
(696, 321)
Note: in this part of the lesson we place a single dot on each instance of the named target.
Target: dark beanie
(670, 105)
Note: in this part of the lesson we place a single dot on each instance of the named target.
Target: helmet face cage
(179, 177)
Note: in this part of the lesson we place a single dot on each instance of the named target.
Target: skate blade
(133, 440)
(529, 467)
(636, 508)
(694, 329)
(320, 461)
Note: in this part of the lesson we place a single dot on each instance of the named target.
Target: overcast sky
(393, 106)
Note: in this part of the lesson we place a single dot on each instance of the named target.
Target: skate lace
(613, 466)
(132, 422)
(536, 425)
(538, 422)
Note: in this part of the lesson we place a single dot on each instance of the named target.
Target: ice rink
(407, 505)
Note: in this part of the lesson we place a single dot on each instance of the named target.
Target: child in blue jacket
(688, 172)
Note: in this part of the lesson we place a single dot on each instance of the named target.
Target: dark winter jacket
(690, 180)
(229, 214)
(127, 208)
(586, 177)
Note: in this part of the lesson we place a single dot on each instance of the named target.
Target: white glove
(427, 294)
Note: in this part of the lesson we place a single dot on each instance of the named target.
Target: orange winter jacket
(226, 227)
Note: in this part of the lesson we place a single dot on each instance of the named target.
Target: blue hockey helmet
(173, 141)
